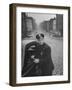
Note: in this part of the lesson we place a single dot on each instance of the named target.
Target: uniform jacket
(41, 52)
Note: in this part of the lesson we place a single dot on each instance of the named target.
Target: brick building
(28, 25)
(59, 23)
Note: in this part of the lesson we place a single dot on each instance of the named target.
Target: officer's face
(41, 40)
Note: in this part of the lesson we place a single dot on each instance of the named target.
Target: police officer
(38, 61)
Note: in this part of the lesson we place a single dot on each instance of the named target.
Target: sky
(39, 17)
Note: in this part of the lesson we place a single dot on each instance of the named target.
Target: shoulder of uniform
(47, 46)
(30, 44)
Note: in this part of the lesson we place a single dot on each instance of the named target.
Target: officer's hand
(32, 56)
(36, 60)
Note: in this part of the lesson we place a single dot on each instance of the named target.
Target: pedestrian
(37, 61)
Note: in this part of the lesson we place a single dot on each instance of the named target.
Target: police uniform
(41, 52)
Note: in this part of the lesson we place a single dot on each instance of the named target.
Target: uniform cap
(38, 36)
